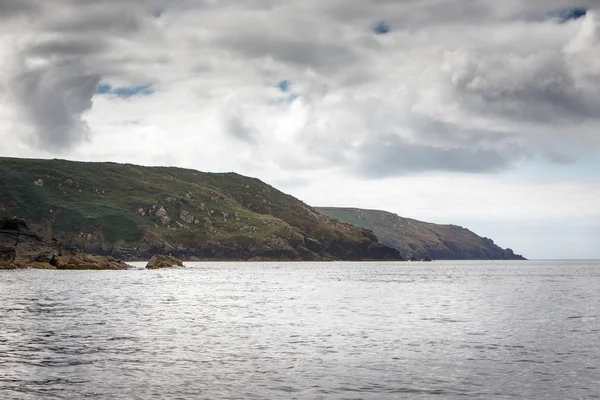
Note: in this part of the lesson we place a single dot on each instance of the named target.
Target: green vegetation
(421, 240)
(133, 212)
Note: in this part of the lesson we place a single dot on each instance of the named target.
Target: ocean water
(448, 330)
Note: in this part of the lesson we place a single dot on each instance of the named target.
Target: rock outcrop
(163, 261)
(21, 248)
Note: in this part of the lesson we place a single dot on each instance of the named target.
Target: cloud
(455, 86)
(56, 54)
(52, 102)
(394, 157)
(237, 129)
(12, 8)
(539, 87)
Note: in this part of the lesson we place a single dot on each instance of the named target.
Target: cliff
(422, 239)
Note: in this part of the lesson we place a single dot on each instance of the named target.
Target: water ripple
(448, 330)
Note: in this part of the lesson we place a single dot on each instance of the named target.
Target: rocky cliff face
(133, 212)
(21, 248)
(421, 239)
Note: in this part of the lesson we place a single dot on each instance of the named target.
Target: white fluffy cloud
(305, 92)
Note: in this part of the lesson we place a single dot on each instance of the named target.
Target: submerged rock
(21, 248)
(163, 261)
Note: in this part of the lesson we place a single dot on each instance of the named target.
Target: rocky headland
(418, 240)
(133, 212)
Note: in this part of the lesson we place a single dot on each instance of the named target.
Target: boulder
(21, 248)
(163, 261)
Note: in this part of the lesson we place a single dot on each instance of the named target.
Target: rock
(163, 217)
(13, 224)
(427, 259)
(187, 217)
(21, 248)
(7, 256)
(163, 261)
(161, 212)
(81, 260)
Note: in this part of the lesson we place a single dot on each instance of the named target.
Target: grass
(102, 201)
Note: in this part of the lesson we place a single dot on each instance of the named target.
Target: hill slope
(133, 212)
(422, 239)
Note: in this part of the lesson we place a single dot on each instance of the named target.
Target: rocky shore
(22, 248)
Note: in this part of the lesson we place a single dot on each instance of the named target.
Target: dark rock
(163, 261)
(13, 224)
(21, 248)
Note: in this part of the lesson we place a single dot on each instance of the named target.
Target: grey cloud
(11, 8)
(239, 130)
(66, 47)
(103, 22)
(53, 101)
(538, 87)
(484, 107)
(394, 156)
(295, 51)
(60, 61)
(559, 156)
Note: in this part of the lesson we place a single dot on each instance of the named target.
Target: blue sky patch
(284, 85)
(381, 28)
(566, 14)
(287, 94)
(125, 91)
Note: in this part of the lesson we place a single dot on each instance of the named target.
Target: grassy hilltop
(133, 212)
(422, 239)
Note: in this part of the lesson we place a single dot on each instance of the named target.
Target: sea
(285, 330)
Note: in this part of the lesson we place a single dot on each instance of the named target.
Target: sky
(479, 113)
